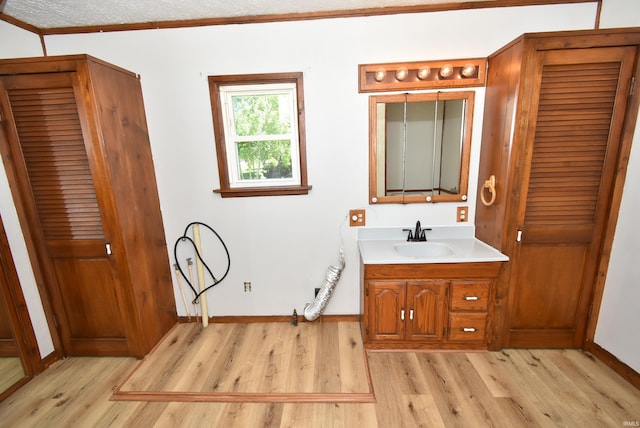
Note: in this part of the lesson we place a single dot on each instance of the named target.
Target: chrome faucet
(419, 234)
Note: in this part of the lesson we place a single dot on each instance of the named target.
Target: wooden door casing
(567, 185)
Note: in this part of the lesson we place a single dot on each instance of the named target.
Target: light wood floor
(255, 362)
(512, 388)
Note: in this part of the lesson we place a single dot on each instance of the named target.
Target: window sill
(263, 191)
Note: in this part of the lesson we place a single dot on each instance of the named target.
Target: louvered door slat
(575, 110)
(53, 148)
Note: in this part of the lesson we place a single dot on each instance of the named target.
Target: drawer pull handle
(468, 329)
(471, 298)
(411, 314)
(402, 314)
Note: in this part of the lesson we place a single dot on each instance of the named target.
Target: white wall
(283, 245)
(618, 321)
(23, 44)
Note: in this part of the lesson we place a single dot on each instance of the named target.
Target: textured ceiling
(47, 14)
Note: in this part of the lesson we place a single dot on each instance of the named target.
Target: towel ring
(491, 185)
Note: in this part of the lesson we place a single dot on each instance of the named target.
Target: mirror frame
(374, 198)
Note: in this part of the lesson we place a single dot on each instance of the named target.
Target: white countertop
(376, 246)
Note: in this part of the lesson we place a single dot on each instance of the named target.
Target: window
(259, 128)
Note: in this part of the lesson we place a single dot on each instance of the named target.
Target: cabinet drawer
(467, 327)
(469, 296)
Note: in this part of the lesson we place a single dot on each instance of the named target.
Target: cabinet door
(386, 309)
(45, 135)
(426, 310)
(567, 192)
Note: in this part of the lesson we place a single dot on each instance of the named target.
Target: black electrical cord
(184, 238)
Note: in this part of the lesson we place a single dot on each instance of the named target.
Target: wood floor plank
(300, 374)
(327, 367)
(353, 374)
(492, 374)
(227, 350)
(335, 415)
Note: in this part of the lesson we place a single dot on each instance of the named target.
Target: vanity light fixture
(468, 70)
(402, 76)
(446, 71)
(402, 73)
(423, 72)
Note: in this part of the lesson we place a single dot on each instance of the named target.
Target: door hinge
(1, 117)
(55, 321)
(590, 311)
(366, 291)
(366, 330)
(632, 89)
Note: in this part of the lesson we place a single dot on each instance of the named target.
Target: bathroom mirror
(11, 368)
(17, 338)
(419, 147)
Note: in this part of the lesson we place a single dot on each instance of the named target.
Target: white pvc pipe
(200, 269)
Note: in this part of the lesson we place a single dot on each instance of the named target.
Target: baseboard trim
(270, 318)
(626, 372)
(48, 361)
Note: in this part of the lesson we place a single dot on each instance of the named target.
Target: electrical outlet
(463, 214)
(357, 218)
(247, 286)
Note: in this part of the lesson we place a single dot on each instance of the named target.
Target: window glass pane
(259, 160)
(267, 114)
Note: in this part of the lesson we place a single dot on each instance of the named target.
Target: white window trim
(227, 92)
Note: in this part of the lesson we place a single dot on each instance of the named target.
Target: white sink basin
(423, 249)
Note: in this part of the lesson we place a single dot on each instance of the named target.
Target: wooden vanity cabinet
(468, 310)
(407, 310)
(427, 306)
(560, 110)
(76, 149)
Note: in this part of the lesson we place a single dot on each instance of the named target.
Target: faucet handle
(423, 236)
(410, 236)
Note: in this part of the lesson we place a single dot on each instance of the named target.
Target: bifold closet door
(567, 193)
(45, 131)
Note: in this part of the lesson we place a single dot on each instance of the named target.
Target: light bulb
(446, 70)
(468, 70)
(402, 73)
(380, 75)
(423, 72)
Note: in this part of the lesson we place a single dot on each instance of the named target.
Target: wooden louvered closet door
(567, 194)
(57, 191)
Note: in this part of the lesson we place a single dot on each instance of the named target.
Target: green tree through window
(263, 115)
